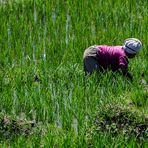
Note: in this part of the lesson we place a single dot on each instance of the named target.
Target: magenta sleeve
(123, 61)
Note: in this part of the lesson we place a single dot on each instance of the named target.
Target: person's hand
(126, 73)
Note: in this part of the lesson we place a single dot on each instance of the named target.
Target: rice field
(45, 100)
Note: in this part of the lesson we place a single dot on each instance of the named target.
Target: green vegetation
(45, 100)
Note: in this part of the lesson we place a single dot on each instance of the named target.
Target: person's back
(112, 57)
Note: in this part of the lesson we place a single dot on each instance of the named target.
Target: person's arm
(125, 72)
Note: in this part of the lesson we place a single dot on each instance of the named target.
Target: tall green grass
(41, 69)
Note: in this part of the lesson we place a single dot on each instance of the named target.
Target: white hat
(132, 45)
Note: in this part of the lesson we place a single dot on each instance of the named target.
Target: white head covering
(132, 45)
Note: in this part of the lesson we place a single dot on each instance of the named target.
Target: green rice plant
(41, 68)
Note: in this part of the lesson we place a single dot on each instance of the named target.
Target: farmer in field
(102, 57)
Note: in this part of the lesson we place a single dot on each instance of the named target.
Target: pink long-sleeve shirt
(112, 56)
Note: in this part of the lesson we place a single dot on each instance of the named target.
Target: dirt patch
(10, 127)
(115, 120)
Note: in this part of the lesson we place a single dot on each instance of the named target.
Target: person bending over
(101, 57)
